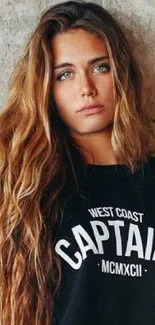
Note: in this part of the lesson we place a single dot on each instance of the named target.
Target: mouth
(91, 109)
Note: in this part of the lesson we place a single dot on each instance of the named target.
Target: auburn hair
(38, 158)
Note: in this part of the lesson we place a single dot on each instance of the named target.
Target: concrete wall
(19, 17)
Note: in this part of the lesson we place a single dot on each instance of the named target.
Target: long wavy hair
(38, 158)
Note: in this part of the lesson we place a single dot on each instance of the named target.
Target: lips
(91, 109)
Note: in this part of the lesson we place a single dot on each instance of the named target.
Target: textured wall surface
(18, 18)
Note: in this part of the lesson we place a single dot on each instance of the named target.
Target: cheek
(109, 93)
(62, 96)
(62, 103)
(64, 99)
(110, 87)
(106, 87)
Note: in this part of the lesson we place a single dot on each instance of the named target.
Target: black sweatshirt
(106, 243)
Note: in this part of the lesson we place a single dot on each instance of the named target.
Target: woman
(77, 180)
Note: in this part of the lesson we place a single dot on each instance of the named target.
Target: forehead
(77, 45)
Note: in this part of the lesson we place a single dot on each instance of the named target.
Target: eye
(65, 75)
(102, 68)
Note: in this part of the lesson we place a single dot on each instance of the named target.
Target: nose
(87, 86)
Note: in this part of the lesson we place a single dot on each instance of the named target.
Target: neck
(97, 149)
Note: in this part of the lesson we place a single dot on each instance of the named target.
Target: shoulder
(151, 161)
(149, 166)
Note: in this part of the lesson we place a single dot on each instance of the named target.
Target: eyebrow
(92, 61)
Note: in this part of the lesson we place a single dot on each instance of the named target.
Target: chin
(92, 128)
(95, 128)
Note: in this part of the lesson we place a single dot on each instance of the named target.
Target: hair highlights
(37, 161)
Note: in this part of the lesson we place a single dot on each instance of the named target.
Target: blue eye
(65, 75)
(102, 68)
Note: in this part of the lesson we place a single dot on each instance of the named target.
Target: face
(82, 85)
